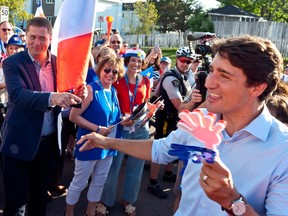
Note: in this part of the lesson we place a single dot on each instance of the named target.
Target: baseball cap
(135, 52)
(165, 59)
(14, 40)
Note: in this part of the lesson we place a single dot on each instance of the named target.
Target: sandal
(101, 210)
(130, 210)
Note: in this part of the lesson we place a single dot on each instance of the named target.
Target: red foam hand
(202, 127)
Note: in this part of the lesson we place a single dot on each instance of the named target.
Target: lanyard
(132, 97)
(110, 105)
(2, 48)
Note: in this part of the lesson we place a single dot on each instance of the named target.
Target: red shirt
(142, 93)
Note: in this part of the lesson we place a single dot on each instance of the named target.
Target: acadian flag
(72, 42)
(39, 11)
(148, 72)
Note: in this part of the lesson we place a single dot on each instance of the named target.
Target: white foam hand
(202, 127)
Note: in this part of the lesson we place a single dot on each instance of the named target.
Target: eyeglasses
(113, 42)
(196, 153)
(183, 60)
(108, 70)
(6, 29)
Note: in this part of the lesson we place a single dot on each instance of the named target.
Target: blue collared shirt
(256, 157)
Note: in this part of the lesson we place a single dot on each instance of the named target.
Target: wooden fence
(276, 32)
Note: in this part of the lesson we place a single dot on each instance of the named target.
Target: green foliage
(271, 10)
(148, 16)
(200, 22)
(16, 10)
(171, 53)
(285, 60)
(174, 14)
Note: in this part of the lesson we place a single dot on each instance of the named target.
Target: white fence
(276, 32)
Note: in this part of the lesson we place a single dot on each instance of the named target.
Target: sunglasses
(113, 42)
(108, 70)
(196, 153)
(183, 60)
(6, 29)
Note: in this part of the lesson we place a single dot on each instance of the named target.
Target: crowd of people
(245, 88)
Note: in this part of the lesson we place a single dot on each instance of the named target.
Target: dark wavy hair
(127, 60)
(259, 59)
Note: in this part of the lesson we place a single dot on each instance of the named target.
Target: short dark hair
(259, 59)
(127, 60)
(39, 22)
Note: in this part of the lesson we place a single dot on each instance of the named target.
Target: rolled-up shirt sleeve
(161, 147)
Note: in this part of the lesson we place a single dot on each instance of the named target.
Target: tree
(200, 22)
(148, 16)
(271, 10)
(174, 14)
(16, 10)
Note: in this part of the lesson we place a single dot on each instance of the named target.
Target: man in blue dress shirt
(250, 174)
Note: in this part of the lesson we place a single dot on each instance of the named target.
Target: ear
(256, 91)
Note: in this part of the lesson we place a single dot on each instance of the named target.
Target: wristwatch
(238, 206)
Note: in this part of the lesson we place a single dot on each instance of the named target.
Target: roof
(127, 6)
(231, 10)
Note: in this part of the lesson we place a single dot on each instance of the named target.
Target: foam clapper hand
(202, 127)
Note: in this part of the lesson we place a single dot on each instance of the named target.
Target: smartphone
(156, 48)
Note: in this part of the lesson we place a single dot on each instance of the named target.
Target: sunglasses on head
(108, 70)
(6, 29)
(187, 61)
(118, 42)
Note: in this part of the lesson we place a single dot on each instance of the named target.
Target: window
(49, 1)
(50, 18)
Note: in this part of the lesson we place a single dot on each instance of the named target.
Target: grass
(168, 52)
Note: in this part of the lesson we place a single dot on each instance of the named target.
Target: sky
(208, 4)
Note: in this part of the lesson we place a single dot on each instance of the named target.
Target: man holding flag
(30, 128)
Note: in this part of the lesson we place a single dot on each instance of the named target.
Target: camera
(202, 49)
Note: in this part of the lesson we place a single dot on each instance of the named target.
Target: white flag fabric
(72, 41)
(39, 11)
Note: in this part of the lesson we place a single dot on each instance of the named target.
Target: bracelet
(98, 129)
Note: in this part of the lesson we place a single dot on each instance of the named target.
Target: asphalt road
(147, 204)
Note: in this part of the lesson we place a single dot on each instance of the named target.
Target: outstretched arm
(137, 148)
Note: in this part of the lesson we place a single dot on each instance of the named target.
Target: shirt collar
(261, 125)
(184, 75)
(258, 127)
(35, 61)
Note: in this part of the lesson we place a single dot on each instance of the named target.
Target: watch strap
(230, 211)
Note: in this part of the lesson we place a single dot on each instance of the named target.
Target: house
(232, 13)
